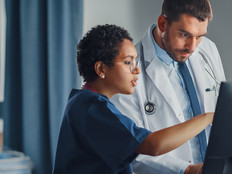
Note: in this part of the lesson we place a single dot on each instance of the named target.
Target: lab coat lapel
(160, 79)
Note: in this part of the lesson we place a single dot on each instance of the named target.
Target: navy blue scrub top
(95, 137)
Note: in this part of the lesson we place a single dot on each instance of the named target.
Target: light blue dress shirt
(171, 68)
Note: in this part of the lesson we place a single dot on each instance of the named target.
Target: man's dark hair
(173, 9)
(101, 43)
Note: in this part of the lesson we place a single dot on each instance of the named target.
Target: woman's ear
(100, 69)
(162, 23)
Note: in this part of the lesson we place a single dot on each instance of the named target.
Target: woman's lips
(134, 82)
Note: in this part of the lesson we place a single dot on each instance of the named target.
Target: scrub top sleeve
(113, 136)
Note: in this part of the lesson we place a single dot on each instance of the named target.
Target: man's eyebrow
(184, 31)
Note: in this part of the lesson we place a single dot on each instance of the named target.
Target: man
(181, 71)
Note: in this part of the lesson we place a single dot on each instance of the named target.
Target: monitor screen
(218, 159)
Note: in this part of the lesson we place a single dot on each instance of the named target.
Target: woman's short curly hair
(101, 43)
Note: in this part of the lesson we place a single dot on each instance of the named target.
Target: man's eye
(185, 34)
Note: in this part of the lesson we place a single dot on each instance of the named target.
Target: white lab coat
(168, 110)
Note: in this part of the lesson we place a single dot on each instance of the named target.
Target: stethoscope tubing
(149, 107)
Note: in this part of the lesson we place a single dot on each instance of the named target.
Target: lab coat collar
(161, 53)
(151, 44)
(149, 50)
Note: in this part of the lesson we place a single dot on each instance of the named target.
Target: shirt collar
(161, 53)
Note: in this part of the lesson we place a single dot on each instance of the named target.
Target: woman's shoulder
(83, 99)
(80, 94)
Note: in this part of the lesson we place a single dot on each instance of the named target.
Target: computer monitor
(218, 159)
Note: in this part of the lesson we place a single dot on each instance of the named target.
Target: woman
(94, 136)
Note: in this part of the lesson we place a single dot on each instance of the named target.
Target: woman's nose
(137, 70)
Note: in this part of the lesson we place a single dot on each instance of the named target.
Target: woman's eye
(127, 62)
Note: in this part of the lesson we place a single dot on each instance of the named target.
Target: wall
(133, 15)
(219, 31)
(137, 15)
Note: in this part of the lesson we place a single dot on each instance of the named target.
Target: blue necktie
(194, 103)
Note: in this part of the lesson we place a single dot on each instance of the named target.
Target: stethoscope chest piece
(150, 108)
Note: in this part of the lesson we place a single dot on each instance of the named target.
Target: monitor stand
(218, 164)
(228, 166)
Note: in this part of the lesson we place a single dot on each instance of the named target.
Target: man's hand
(194, 169)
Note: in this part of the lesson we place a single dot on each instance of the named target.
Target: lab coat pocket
(210, 100)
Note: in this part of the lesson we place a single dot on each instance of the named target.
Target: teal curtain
(40, 72)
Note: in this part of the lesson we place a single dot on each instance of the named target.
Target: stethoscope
(211, 74)
(150, 107)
